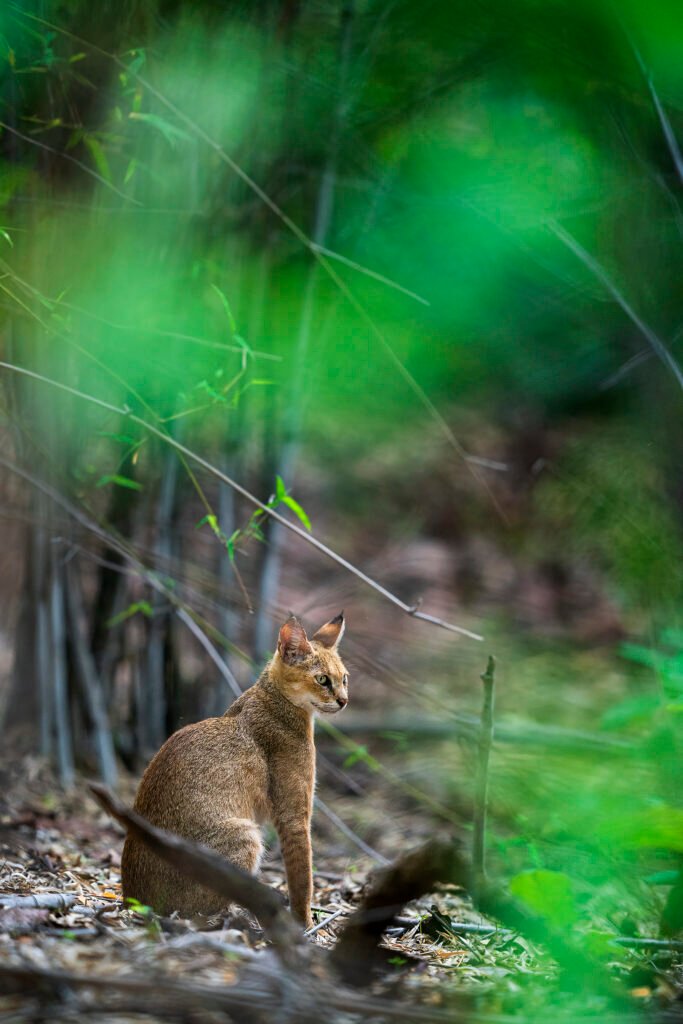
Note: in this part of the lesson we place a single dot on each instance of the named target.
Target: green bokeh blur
(457, 138)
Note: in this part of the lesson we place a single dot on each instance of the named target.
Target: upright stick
(482, 781)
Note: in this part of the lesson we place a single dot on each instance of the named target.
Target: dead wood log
(22, 920)
(40, 900)
(210, 869)
(356, 956)
(258, 996)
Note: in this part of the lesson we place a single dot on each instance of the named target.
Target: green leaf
(211, 519)
(359, 754)
(226, 307)
(297, 510)
(130, 170)
(120, 481)
(550, 894)
(122, 438)
(254, 530)
(628, 711)
(598, 944)
(138, 60)
(98, 155)
(280, 489)
(137, 907)
(170, 132)
(144, 607)
(5, 234)
(658, 827)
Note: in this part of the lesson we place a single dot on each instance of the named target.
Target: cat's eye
(345, 680)
(323, 680)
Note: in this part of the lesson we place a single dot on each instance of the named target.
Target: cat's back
(208, 766)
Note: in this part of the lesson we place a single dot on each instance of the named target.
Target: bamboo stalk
(60, 689)
(89, 680)
(324, 209)
(155, 695)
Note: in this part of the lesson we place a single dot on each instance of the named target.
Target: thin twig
(323, 924)
(214, 471)
(482, 782)
(349, 833)
(598, 271)
(71, 159)
(664, 122)
(203, 639)
(354, 265)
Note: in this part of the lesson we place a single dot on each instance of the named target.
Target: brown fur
(216, 781)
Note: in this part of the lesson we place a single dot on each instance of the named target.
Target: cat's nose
(341, 702)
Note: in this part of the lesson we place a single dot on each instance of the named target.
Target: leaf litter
(61, 910)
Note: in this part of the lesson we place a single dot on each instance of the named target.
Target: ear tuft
(331, 633)
(292, 642)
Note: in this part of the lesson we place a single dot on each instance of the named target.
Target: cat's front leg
(295, 840)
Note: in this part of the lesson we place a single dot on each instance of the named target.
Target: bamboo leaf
(227, 309)
(99, 157)
(297, 510)
(120, 481)
(142, 607)
(170, 132)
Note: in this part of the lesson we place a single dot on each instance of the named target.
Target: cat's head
(310, 672)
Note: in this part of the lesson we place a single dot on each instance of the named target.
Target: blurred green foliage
(153, 158)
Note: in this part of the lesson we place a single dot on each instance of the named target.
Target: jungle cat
(218, 780)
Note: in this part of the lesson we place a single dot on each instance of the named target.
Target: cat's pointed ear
(292, 642)
(331, 633)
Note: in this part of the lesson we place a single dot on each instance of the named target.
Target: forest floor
(61, 912)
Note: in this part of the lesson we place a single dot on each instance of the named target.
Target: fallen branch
(635, 942)
(41, 901)
(210, 869)
(262, 994)
(356, 955)
(404, 924)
